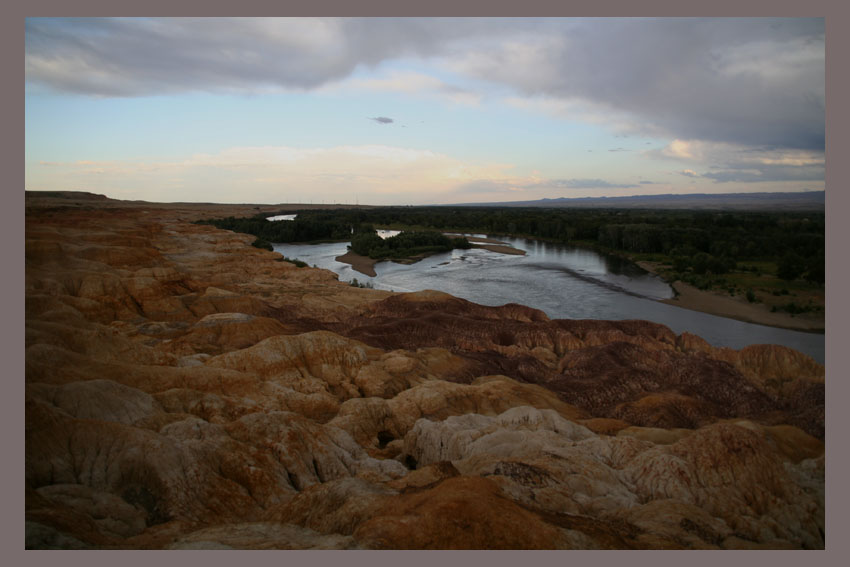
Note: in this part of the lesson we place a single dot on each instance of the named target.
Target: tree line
(698, 241)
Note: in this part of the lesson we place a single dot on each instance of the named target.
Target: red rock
(186, 390)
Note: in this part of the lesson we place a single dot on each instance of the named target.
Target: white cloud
(400, 81)
(682, 149)
(412, 83)
(713, 153)
(730, 162)
(588, 111)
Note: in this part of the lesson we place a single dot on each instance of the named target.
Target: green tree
(791, 266)
(815, 269)
(700, 263)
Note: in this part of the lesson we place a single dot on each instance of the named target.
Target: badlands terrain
(185, 390)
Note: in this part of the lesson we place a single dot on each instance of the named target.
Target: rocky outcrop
(553, 466)
(185, 390)
(637, 372)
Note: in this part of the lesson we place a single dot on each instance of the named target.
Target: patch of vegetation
(355, 283)
(404, 244)
(263, 244)
(702, 241)
(296, 261)
(796, 309)
(298, 230)
(729, 251)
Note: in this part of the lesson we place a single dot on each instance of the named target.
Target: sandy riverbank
(736, 308)
(366, 265)
(362, 264)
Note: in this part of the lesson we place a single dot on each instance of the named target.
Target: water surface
(563, 281)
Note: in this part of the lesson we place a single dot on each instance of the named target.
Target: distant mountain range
(801, 201)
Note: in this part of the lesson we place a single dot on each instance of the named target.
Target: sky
(410, 111)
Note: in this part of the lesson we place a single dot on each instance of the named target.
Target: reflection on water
(563, 281)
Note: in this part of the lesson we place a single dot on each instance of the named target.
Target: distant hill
(78, 195)
(801, 201)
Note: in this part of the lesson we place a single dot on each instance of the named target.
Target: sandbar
(481, 239)
(738, 308)
(362, 264)
(501, 249)
(366, 265)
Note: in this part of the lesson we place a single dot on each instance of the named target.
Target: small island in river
(365, 264)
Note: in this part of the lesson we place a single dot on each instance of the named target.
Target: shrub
(263, 244)
(680, 264)
(296, 261)
(815, 269)
(791, 266)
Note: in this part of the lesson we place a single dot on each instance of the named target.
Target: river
(562, 281)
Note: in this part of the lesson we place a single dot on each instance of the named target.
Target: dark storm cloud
(382, 120)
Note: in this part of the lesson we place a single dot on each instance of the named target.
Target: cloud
(589, 111)
(771, 173)
(647, 182)
(377, 174)
(414, 83)
(588, 184)
(728, 162)
(534, 187)
(750, 81)
(153, 56)
(682, 149)
(746, 81)
(382, 120)
(487, 187)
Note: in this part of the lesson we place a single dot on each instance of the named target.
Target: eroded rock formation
(185, 390)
